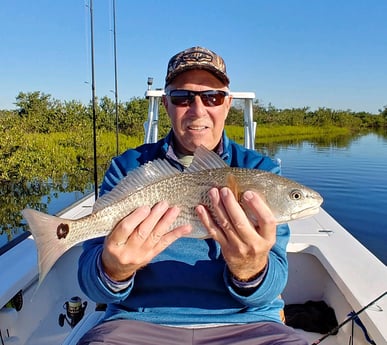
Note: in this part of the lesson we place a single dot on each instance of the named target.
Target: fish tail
(49, 233)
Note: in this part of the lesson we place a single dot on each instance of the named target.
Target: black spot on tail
(62, 230)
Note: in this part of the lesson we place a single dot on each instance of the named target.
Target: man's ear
(164, 100)
(229, 100)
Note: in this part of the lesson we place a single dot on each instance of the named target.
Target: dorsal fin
(136, 179)
(205, 159)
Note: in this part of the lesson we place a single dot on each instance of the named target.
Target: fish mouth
(306, 212)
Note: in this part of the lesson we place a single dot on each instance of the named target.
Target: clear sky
(291, 53)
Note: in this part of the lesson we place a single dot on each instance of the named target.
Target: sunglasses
(184, 98)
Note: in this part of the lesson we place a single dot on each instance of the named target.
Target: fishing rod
(93, 101)
(352, 317)
(115, 74)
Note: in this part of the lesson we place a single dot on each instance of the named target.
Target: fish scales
(157, 181)
(184, 190)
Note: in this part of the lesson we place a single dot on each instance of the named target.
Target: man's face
(196, 124)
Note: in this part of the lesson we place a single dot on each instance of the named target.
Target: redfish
(158, 180)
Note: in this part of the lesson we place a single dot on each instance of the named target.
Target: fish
(158, 180)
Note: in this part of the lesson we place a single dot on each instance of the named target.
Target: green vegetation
(280, 133)
(46, 144)
(46, 138)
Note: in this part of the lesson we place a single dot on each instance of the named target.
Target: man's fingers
(262, 215)
(127, 225)
(146, 228)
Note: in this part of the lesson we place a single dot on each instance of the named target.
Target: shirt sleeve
(250, 284)
(115, 286)
(89, 278)
(272, 283)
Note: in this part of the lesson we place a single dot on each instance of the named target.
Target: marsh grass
(277, 134)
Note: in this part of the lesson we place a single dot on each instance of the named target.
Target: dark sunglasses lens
(212, 98)
(181, 97)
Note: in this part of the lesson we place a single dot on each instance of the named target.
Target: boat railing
(154, 97)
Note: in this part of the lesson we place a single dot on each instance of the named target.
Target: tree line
(321, 117)
(37, 112)
(44, 137)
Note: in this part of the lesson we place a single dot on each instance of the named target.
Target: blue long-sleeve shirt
(188, 283)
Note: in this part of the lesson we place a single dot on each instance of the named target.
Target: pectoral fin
(232, 183)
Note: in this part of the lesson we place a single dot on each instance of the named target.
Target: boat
(326, 265)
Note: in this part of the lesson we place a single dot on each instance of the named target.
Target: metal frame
(151, 124)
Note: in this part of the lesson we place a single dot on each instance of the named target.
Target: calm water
(353, 182)
(351, 176)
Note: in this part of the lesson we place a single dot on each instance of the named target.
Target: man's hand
(138, 238)
(245, 247)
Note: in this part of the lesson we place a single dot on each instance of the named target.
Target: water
(351, 175)
(353, 182)
(55, 202)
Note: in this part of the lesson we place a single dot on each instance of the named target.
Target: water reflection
(322, 143)
(353, 181)
(39, 195)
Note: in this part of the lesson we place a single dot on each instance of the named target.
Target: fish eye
(296, 194)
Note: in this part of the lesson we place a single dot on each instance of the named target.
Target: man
(165, 288)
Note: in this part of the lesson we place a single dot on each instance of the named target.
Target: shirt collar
(171, 153)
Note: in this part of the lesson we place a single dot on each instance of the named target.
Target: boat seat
(88, 322)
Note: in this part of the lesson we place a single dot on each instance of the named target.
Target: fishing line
(352, 317)
(115, 73)
(110, 10)
(87, 41)
(95, 156)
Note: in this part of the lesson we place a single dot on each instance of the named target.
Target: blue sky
(299, 53)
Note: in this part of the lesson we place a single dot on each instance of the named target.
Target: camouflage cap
(196, 58)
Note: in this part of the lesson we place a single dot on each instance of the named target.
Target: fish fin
(136, 179)
(205, 159)
(45, 231)
(232, 183)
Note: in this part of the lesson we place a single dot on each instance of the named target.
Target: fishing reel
(75, 311)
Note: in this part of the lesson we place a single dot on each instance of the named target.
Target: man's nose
(198, 106)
